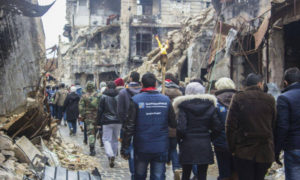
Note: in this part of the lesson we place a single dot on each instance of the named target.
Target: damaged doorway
(253, 59)
(292, 45)
(184, 70)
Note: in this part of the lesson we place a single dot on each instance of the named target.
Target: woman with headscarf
(198, 123)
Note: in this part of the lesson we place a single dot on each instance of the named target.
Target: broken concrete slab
(25, 151)
(6, 142)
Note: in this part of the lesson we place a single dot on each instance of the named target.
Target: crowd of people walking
(245, 130)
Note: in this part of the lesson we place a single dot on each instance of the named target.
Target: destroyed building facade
(233, 39)
(259, 36)
(110, 38)
(22, 52)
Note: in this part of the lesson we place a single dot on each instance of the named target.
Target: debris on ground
(72, 156)
(10, 166)
(30, 141)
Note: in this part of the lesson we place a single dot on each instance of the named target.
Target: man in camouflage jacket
(88, 107)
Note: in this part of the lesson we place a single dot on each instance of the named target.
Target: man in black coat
(71, 108)
(123, 108)
(288, 124)
(107, 118)
(249, 129)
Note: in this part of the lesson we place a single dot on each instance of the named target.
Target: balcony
(145, 19)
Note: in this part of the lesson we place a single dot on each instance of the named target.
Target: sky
(54, 21)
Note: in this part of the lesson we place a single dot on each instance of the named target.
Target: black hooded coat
(71, 107)
(198, 124)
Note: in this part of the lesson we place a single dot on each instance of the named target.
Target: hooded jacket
(107, 110)
(198, 123)
(124, 100)
(71, 106)
(224, 98)
(250, 125)
(288, 119)
(172, 91)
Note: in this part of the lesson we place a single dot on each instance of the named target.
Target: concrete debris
(25, 150)
(5, 142)
(72, 156)
(7, 153)
(52, 157)
(2, 158)
(11, 167)
(194, 32)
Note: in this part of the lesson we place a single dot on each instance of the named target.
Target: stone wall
(22, 51)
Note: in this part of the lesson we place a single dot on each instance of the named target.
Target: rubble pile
(30, 141)
(71, 156)
(193, 29)
(10, 166)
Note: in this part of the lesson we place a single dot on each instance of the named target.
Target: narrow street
(121, 170)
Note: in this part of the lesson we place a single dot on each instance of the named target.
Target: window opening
(143, 44)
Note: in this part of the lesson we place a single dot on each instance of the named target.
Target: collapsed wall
(187, 53)
(21, 52)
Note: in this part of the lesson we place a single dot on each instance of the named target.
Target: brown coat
(172, 93)
(250, 125)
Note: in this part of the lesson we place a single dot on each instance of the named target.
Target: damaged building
(22, 51)
(263, 39)
(107, 39)
(233, 39)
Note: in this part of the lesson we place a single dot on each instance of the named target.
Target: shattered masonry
(110, 38)
(247, 36)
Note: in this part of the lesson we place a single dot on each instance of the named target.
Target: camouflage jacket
(88, 105)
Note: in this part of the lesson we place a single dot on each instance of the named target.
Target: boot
(92, 150)
(85, 141)
(101, 143)
(111, 161)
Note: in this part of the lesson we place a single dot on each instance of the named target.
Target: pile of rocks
(192, 41)
(72, 156)
(10, 166)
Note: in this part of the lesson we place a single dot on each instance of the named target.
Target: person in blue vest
(151, 113)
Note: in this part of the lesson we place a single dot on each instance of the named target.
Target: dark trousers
(72, 126)
(201, 171)
(157, 163)
(173, 154)
(60, 113)
(225, 164)
(251, 170)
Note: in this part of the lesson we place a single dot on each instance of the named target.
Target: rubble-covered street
(175, 89)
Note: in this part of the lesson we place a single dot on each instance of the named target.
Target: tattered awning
(25, 8)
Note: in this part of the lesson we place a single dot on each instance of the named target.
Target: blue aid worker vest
(152, 122)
